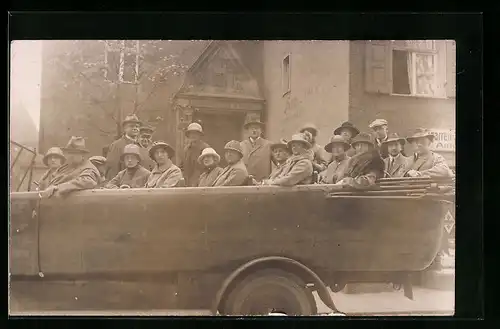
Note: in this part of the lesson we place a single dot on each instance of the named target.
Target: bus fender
(280, 262)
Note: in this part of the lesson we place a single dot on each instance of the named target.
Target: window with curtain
(122, 61)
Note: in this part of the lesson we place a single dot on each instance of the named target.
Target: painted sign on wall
(444, 140)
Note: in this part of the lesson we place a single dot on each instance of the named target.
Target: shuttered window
(408, 67)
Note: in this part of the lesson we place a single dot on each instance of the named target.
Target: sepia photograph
(232, 177)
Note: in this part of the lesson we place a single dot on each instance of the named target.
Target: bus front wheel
(268, 291)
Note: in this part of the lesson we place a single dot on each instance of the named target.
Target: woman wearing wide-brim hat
(426, 163)
(165, 174)
(338, 147)
(298, 168)
(210, 160)
(235, 173)
(77, 173)
(134, 175)
(348, 131)
(53, 159)
(363, 142)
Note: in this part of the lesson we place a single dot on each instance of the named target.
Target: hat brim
(193, 131)
(402, 141)
(253, 123)
(137, 155)
(168, 148)
(46, 158)
(277, 146)
(354, 130)
(306, 143)
(216, 156)
(309, 129)
(328, 147)
(429, 136)
(233, 149)
(75, 151)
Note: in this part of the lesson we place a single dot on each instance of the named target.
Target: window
(286, 74)
(406, 67)
(414, 68)
(122, 60)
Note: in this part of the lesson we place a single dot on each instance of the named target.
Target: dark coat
(191, 168)
(135, 178)
(114, 162)
(46, 178)
(257, 157)
(363, 170)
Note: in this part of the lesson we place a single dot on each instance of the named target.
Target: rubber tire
(285, 285)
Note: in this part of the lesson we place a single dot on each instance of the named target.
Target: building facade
(283, 83)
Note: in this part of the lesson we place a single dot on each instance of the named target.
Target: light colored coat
(233, 175)
(69, 178)
(399, 167)
(135, 178)
(113, 160)
(430, 165)
(257, 157)
(164, 177)
(335, 170)
(298, 170)
(208, 177)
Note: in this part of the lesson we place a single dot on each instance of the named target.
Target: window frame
(286, 89)
(414, 51)
(122, 50)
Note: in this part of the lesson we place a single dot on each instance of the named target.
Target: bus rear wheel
(270, 291)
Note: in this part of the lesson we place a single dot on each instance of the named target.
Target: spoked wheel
(270, 291)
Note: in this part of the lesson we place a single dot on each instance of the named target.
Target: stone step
(443, 279)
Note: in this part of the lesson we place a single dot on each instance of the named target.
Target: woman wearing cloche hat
(134, 175)
(235, 173)
(165, 174)
(53, 159)
(210, 160)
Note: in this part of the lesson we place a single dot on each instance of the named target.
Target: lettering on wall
(444, 140)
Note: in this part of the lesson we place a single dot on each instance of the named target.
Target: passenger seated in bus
(298, 168)
(134, 175)
(319, 157)
(100, 163)
(235, 173)
(338, 147)
(53, 159)
(426, 163)
(280, 152)
(165, 174)
(365, 167)
(210, 160)
(395, 163)
(77, 173)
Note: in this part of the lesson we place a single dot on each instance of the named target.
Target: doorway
(220, 128)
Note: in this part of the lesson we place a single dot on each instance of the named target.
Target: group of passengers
(351, 158)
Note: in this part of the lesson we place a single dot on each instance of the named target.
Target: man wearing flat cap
(145, 141)
(191, 168)
(256, 150)
(335, 171)
(134, 175)
(131, 126)
(396, 163)
(235, 173)
(76, 174)
(380, 129)
(426, 163)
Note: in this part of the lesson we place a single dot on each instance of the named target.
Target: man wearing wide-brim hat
(380, 130)
(256, 150)
(426, 163)
(364, 168)
(319, 158)
(298, 169)
(191, 168)
(210, 160)
(134, 175)
(77, 173)
(145, 141)
(338, 147)
(235, 173)
(130, 126)
(395, 163)
(348, 131)
(165, 174)
(53, 159)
